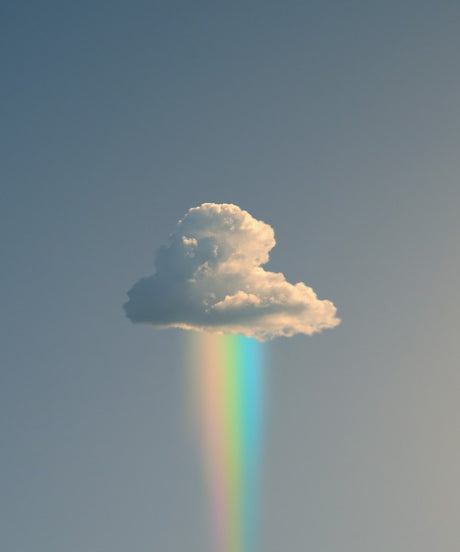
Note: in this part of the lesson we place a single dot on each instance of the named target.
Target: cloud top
(209, 277)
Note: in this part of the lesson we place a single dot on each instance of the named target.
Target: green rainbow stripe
(228, 382)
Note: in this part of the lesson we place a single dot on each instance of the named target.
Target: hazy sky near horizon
(337, 123)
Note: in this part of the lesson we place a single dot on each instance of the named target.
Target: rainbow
(227, 382)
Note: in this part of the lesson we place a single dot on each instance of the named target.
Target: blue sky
(336, 123)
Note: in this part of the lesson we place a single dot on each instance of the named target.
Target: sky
(336, 123)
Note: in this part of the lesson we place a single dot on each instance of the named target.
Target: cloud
(210, 277)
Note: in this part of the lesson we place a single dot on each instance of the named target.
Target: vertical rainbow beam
(229, 389)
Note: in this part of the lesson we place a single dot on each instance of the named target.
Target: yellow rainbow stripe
(227, 379)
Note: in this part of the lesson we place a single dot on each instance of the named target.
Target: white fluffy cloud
(209, 277)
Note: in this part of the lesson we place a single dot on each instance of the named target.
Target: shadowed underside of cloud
(209, 277)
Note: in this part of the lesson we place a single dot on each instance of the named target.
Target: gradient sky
(336, 122)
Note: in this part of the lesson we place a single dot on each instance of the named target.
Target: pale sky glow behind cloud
(336, 123)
